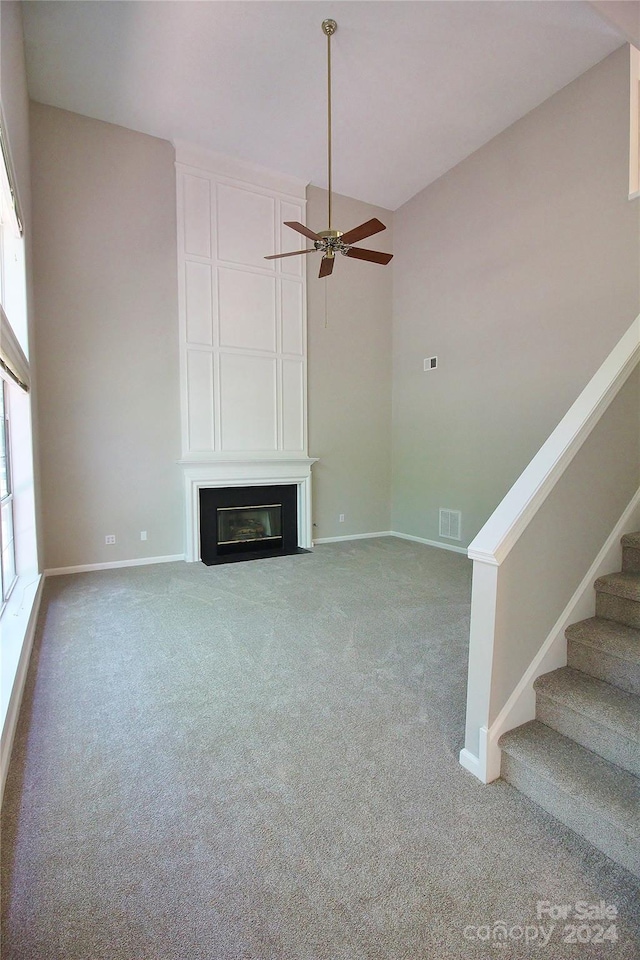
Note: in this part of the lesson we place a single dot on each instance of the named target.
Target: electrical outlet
(110, 538)
(143, 534)
(341, 518)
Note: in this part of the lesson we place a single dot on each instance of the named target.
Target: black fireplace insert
(248, 523)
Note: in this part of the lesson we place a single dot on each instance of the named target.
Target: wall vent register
(450, 524)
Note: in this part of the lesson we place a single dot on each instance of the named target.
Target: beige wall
(107, 339)
(624, 14)
(519, 270)
(349, 338)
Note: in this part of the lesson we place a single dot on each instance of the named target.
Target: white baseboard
(486, 766)
(470, 763)
(521, 705)
(392, 533)
(17, 689)
(430, 543)
(352, 536)
(88, 567)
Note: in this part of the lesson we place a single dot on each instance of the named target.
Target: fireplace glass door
(246, 528)
(248, 523)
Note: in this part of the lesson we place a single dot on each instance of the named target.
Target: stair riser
(611, 607)
(589, 733)
(601, 665)
(631, 559)
(571, 811)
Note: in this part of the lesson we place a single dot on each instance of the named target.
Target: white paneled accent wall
(242, 318)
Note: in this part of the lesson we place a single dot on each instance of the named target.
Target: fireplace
(204, 479)
(248, 523)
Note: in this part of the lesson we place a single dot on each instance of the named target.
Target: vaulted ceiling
(418, 86)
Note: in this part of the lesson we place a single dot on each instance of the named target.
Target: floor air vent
(450, 524)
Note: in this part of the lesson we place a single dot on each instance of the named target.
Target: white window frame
(6, 503)
(634, 124)
(8, 221)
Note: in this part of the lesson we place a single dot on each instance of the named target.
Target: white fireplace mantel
(243, 473)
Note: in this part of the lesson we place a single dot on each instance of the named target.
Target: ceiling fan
(331, 241)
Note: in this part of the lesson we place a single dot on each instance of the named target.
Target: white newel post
(480, 756)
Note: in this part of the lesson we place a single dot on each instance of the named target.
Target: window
(7, 541)
(18, 551)
(12, 302)
(20, 581)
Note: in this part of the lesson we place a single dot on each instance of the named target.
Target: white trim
(429, 543)
(264, 458)
(392, 533)
(12, 356)
(634, 117)
(112, 565)
(353, 536)
(470, 763)
(521, 705)
(10, 723)
(481, 766)
(510, 518)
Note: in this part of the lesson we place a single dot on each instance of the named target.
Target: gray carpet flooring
(258, 761)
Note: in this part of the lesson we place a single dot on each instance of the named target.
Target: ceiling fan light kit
(332, 241)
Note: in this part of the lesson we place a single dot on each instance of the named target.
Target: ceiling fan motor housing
(331, 242)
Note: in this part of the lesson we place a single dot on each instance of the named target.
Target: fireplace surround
(247, 475)
(248, 523)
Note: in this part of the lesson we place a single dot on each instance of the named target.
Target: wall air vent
(450, 524)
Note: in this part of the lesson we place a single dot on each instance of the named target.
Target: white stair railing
(535, 550)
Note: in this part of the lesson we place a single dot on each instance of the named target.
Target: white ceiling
(418, 86)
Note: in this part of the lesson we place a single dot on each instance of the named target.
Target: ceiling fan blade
(364, 230)
(300, 227)
(326, 267)
(294, 253)
(373, 255)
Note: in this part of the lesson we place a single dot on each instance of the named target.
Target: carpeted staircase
(580, 757)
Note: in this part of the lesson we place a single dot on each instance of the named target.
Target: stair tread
(608, 636)
(631, 540)
(609, 790)
(625, 584)
(616, 709)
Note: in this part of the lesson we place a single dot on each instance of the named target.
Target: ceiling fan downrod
(329, 27)
(330, 241)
